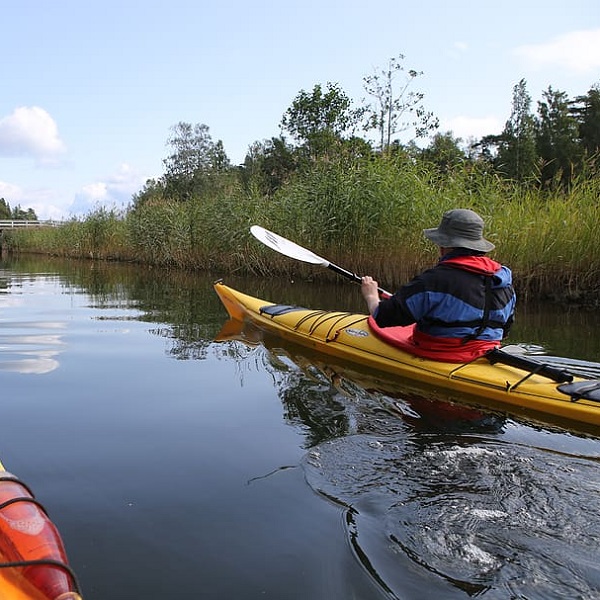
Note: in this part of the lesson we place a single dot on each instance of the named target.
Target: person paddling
(462, 307)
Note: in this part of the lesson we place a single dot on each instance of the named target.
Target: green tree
(153, 190)
(5, 212)
(445, 152)
(20, 214)
(557, 136)
(268, 165)
(17, 213)
(517, 154)
(586, 109)
(320, 120)
(195, 157)
(396, 109)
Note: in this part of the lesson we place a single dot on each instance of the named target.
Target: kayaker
(463, 306)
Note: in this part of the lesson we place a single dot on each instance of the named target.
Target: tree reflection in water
(438, 495)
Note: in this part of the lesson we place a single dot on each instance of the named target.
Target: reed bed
(367, 216)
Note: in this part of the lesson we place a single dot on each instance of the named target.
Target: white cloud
(94, 192)
(31, 131)
(472, 127)
(115, 192)
(45, 203)
(577, 51)
(9, 191)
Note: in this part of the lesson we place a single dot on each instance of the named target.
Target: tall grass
(102, 234)
(552, 240)
(365, 215)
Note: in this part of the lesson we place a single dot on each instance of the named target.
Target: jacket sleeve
(391, 312)
(410, 303)
(394, 311)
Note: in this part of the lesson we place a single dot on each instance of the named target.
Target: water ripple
(483, 518)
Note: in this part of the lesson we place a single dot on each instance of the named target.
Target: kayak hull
(347, 336)
(33, 560)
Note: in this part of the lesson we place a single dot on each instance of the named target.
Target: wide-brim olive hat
(460, 228)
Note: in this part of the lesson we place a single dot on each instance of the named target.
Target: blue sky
(89, 88)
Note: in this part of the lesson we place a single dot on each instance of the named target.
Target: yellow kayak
(33, 561)
(526, 385)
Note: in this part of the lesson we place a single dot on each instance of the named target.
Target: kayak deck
(348, 336)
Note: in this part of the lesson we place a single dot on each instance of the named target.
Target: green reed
(366, 215)
(102, 235)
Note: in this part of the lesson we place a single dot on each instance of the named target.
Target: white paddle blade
(286, 247)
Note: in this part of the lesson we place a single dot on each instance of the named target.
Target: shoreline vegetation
(363, 204)
(368, 219)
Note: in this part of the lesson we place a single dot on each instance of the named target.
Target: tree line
(548, 149)
(17, 213)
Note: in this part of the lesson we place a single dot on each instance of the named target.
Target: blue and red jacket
(466, 296)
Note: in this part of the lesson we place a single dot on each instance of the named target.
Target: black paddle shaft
(528, 364)
(354, 277)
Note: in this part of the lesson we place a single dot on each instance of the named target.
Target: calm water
(179, 466)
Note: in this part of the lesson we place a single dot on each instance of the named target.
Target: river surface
(176, 464)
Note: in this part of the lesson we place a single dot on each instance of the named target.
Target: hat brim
(448, 241)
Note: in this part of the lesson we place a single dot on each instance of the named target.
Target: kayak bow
(522, 385)
(33, 561)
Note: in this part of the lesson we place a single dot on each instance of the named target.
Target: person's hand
(370, 291)
(369, 286)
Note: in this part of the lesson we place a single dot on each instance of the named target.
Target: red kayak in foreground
(33, 560)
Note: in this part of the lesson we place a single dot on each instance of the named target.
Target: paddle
(529, 364)
(292, 250)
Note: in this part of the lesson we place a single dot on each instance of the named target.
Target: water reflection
(189, 312)
(40, 364)
(435, 495)
(426, 405)
(438, 486)
(34, 352)
(323, 396)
